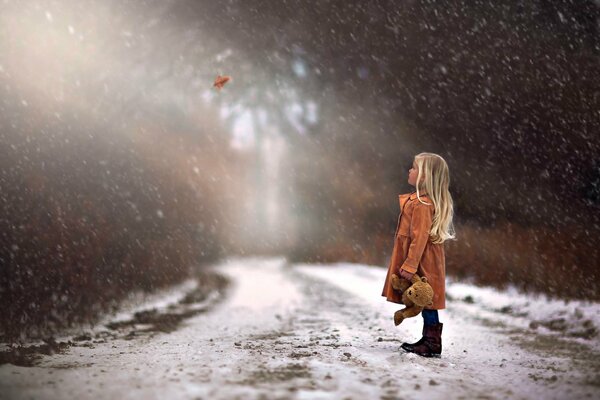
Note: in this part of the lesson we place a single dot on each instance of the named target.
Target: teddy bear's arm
(400, 284)
(412, 311)
(406, 312)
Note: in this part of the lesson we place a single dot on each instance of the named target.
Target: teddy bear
(416, 295)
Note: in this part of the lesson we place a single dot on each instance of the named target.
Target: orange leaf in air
(221, 81)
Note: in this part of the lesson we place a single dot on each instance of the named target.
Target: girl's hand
(406, 275)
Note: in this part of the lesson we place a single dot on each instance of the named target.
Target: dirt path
(287, 332)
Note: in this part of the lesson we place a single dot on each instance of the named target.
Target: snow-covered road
(323, 332)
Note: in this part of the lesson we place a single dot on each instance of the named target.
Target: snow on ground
(579, 320)
(324, 332)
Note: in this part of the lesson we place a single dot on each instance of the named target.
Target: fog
(124, 168)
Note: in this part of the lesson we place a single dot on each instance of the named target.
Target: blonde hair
(434, 177)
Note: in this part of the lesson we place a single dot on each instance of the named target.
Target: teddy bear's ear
(424, 279)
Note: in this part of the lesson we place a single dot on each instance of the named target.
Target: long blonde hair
(433, 171)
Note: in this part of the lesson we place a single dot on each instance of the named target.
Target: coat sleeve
(420, 226)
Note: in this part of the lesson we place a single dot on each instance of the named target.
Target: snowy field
(304, 331)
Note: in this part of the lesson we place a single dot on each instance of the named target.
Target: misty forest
(169, 233)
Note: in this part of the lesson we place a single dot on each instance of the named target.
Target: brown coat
(414, 252)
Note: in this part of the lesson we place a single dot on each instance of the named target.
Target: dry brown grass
(560, 262)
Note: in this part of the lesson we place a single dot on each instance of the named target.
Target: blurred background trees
(123, 170)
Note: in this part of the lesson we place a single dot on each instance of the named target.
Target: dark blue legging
(430, 317)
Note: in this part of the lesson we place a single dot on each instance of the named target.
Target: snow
(509, 307)
(310, 331)
(518, 310)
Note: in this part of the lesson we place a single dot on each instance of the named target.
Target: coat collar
(403, 198)
(412, 195)
(422, 194)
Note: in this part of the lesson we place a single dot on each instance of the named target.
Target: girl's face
(412, 175)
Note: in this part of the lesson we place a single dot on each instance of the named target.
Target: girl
(425, 222)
